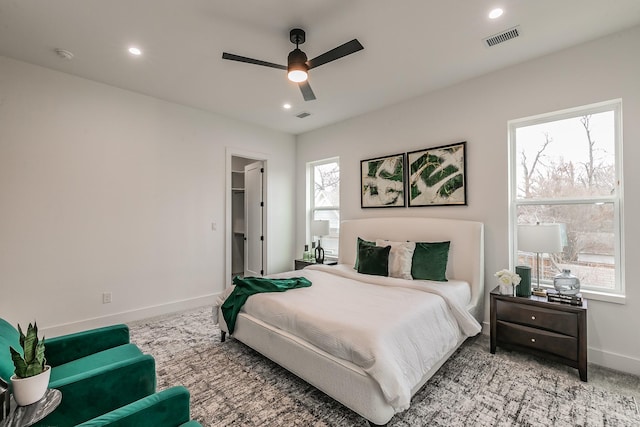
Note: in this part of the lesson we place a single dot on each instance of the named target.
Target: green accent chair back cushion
(9, 336)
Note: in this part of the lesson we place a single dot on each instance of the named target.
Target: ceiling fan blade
(239, 58)
(307, 93)
(343, 50)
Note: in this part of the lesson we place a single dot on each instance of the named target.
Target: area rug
(231, 384)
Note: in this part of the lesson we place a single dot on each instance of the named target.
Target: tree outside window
(325, 200)
(565, 169)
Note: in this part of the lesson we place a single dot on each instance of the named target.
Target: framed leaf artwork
(437, 176)
(382, 182)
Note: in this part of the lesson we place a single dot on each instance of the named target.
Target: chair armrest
(65, 348)
(168, 408)
(98, 391)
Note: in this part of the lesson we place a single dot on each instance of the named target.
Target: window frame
(311, 208)
(618, 294)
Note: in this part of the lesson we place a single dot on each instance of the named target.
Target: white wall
(477, 111)
(105, 190)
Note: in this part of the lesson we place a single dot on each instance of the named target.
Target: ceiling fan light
(297, 66)
(297, 76)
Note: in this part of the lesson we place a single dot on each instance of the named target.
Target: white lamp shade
(545, 238)
(320, 227)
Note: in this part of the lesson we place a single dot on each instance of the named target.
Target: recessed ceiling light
(496, 13)
(135, 51)
(286, 106)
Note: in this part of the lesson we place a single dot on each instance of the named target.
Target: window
(325, 200)
(565, 168)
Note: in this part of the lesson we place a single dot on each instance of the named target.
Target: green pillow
(430, 261)
(374, 260)
(361, 242)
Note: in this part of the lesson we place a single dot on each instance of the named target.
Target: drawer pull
(533, 340)
(533, 317)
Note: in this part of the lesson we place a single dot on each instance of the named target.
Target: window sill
(604, 296)
(599, 296)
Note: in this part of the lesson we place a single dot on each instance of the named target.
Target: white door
(253, 217)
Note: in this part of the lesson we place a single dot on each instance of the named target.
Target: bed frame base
(341, 380)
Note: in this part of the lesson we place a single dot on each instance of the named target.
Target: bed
(371, 342)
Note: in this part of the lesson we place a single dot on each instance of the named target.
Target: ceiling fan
(297, 64)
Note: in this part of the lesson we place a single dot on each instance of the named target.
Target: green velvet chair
(97, 371)
(167, 408)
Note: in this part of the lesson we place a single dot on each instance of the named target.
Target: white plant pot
(29, 390)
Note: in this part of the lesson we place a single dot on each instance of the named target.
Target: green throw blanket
(245, 287)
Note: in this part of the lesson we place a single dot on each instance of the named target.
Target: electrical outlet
(106, 297)
(214, 226)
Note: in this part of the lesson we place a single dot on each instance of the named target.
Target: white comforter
(396, 330)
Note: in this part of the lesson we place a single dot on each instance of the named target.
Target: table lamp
(540, 238)
(319, 228)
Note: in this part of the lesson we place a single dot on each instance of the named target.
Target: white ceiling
(410, 47)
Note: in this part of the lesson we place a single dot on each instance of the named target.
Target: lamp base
(319, 254)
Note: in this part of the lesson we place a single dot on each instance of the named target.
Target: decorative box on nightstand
(550, 329)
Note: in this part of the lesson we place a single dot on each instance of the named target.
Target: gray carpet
(231, 384)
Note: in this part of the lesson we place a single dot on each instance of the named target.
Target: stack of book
(539, 292)
(553, 296)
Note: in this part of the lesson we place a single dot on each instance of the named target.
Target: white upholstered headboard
(466, 253)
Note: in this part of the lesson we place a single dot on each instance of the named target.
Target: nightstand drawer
(538, 317)
(550, 328)
(550, 342)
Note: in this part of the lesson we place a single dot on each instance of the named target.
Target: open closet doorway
(246, 213)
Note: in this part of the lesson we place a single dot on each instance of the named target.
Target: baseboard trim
(130, 315)
(604, 358)
(615, 361)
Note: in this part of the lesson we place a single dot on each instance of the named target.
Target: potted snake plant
(31, 378)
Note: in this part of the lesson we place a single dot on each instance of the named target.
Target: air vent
(303, 115)
(509, 34)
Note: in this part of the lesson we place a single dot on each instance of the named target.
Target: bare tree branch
(589, 167)
(529, 172)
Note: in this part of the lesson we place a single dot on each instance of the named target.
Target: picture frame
(437, 176)
(382, 182)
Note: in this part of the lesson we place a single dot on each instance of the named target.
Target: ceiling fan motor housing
(297, 57)
(297, 36)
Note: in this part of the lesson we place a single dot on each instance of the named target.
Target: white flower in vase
(507, 281)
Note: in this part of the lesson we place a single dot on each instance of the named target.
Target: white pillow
(400, 258)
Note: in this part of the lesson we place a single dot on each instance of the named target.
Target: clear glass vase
(566, 283)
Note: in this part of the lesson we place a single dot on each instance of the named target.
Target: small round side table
(24, 416)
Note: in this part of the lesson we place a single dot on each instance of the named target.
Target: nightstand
(300, 264)
(549, 329)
